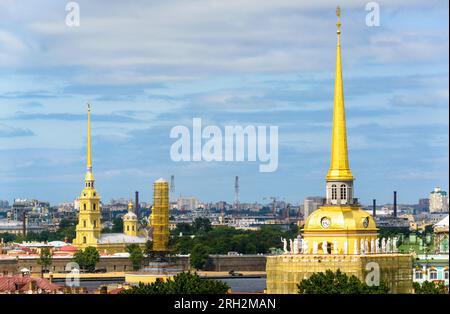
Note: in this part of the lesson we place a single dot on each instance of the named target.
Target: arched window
(84, 223)
(418, 274)
(333, 192)
(95, 223)
(128, 228)
(132, 228)
(446, 274)
(84, 206)
(94, 206)
(433, 274)
(84, 239)
(343, 192)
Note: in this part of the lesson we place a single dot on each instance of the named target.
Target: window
(128, 228)
(94, 206)
(418, 274)
(84, 206)
(114, 267)
(446, 275)
(343, 192)
(433, 274)
(132, 228)
(84, 239)
(95, 223)
(124, 267)
(84, 223)
(333, 192)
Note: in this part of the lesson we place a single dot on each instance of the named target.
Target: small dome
(130, 216)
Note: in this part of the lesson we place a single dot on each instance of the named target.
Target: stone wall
(236, 263)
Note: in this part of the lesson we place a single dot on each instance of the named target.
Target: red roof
(68, 248)
(22, 283)
(116, 291)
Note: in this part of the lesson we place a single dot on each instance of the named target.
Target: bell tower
(89, 227)
(130, 221)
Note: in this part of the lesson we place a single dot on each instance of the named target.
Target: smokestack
(374, 213)
(24, 224)
(395, 203)
(136, 202)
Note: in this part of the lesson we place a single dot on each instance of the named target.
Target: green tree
(201, 225)
(199, 256)
(184, 228)
(429, 287)
(87, 259)
(45, 259)
(117, 225)
(8, 237)
(182, 283)
(136, 255)
(337, 283)
(148, 247)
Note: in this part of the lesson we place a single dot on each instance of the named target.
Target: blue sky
(147, 66)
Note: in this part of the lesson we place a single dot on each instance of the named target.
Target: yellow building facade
(339, 235)
(88, 229)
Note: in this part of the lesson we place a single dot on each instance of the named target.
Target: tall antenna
(172, 183)
(236, 193)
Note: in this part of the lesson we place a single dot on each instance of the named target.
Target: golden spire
(339, 166)
(130, 206)
(89, 175)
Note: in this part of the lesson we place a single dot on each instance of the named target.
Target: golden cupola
(340, 221)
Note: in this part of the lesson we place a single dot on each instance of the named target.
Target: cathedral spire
(89, 174)
(339, 166)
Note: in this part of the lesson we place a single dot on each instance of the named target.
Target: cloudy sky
(147, 66)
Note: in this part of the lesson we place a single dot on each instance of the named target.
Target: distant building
(25, 206)
(441, 236)
(16, 227)
(311, 203)
(438, 201)
(425, 202)
(187, 203)
(4, 204)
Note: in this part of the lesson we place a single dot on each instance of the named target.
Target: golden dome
(340, 218)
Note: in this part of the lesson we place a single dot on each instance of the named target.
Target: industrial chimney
(136, 202)
(374, 206)
(395, 203)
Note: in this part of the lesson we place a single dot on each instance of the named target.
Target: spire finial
(89, 175)
(338, 23)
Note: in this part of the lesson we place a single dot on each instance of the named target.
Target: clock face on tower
(366, 222)
(325, 222)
